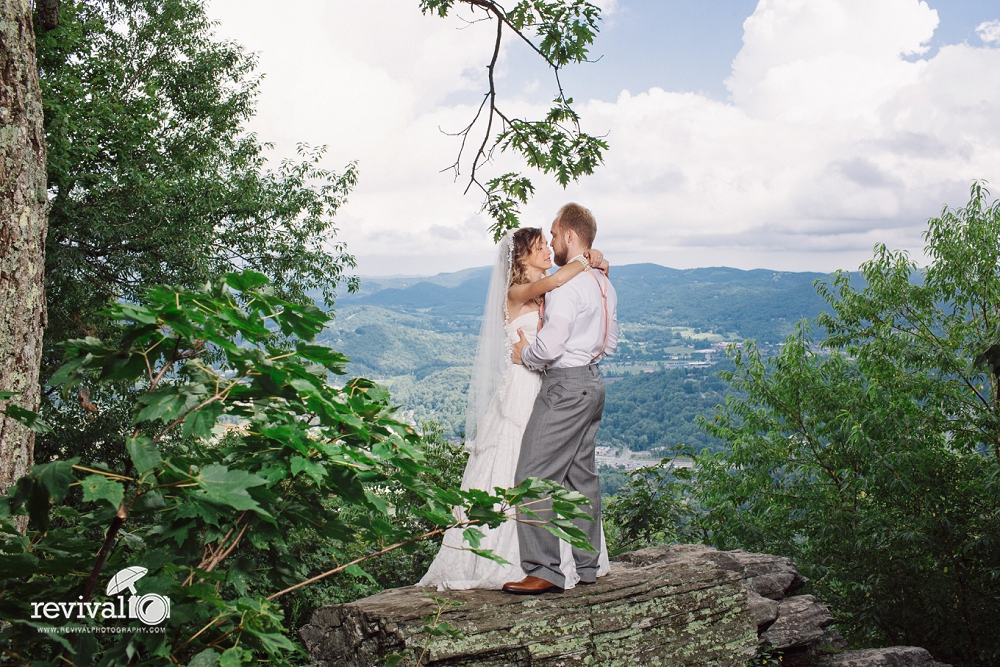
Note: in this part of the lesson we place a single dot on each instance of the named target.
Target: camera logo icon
(151, 608)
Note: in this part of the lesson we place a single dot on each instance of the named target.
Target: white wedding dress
(492, 463)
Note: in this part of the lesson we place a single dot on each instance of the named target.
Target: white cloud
(838, 134)
(989, 31)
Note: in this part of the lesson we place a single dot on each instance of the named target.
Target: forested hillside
(418, 335)
(655, 303)
(655, 411)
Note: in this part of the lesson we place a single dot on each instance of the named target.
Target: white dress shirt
(573, 327)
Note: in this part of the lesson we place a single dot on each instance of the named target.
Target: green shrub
(873, 459)
(241, 448)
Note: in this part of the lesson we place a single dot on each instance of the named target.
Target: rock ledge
(678, 606)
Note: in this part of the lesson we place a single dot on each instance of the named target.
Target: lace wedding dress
(492, 462)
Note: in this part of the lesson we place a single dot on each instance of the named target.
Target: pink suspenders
(603, 287)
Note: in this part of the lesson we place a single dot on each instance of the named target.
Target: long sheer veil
(493, 351)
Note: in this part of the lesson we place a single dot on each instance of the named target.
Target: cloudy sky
(784, 134)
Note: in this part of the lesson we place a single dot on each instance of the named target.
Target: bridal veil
(493, 351)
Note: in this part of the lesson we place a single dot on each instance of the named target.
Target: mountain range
(417, 335)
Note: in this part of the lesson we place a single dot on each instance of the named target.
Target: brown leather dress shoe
(531, 586)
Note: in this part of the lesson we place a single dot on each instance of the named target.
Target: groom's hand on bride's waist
(515, 352)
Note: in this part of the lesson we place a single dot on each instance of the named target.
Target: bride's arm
(526, 292)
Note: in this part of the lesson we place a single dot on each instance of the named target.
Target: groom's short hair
(580, 220)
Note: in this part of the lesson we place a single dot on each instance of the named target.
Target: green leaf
(273, 642)
(144, 454)
(378, 502)
(69, 372)
(235, 656)
(566, 530)
(273, 473)
(17, 565)
(473, 536)
(489, 555)
(30, 419)
(239, 580)
(443, 629)
(289, 436)
(170, 402)
(199, 424)
(135, 312)
(176, 530)
(314, 470)
(199, 507)
(246, 280)
(356, 570)
(150, 500)
(229, 487)
(98, 487)
(56, 478)
(207, 658)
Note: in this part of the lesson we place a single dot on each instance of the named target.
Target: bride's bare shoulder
(517, 309)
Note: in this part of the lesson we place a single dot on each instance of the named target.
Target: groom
(579, 326)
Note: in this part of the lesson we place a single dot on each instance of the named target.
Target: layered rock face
(685, 605)
(796, 626)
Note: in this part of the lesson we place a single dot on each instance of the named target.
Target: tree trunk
(48, 14)
(23, 212)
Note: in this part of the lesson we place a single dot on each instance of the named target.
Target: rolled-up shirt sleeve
(556, 330)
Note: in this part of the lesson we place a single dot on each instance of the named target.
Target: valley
(417, 335)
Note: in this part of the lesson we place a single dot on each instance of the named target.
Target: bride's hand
(596, 260)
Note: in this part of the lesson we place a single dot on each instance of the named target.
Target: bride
(501, 396)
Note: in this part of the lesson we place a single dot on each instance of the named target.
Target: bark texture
(22, 231)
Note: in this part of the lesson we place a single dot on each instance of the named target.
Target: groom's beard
(560, 256)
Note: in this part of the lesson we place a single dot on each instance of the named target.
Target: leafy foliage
(561, 32)
(238, 443)
(405, 566)
(651, 508)
(154, 179)
(433, 628)
(151, 174)
(874, 463)
(659, 411)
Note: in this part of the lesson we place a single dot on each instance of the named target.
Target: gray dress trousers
(558, 444)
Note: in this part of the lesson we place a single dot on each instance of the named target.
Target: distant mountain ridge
(417, 335)
(464, 291)
(746, 304)
(372, 284)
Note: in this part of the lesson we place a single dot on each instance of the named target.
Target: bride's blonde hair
(525, 241)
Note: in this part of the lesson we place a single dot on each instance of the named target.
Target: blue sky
(689, 45)
(780, 134)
